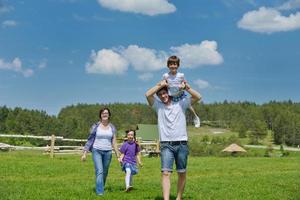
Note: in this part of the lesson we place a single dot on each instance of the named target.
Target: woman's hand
(83, 157)
(120, 160)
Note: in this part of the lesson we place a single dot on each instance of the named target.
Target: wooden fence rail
(150, 148)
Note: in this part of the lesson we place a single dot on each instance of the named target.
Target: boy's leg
(196, 118)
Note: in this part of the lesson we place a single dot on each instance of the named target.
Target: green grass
(210, 131)
(31, 175)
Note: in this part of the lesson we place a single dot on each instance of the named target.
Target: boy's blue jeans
(101, 163)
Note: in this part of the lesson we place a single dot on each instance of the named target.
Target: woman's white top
(103, 140)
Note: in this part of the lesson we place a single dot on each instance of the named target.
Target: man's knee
(166, 173)
(181, 174)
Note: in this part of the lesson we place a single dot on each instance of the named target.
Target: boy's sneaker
(197, 121)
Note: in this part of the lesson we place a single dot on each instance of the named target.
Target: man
(172, 133)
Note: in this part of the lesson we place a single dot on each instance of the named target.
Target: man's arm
(151, 92)
(196, 96)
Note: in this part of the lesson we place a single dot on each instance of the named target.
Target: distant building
(147, 132)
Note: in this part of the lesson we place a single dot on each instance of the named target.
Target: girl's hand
(140, 164)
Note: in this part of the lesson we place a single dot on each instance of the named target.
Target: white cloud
(292, 4)
(106, 61)
(70, 1)
(236, 3)
(145, 76)
(201, 84)
(146, 7)
(43, 64)
(143, 59)
(16, 65)
(80, 18)
(9, 23)
(269, 20)
(196, 55)
(5, 8)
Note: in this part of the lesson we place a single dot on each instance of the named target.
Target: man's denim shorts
(175, 150)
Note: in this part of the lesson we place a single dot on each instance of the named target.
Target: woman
(100, 142)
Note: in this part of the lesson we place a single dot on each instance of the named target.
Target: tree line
(247, 118)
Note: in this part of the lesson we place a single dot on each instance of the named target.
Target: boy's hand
(140, 164)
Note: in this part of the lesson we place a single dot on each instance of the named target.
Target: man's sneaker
(197, 121)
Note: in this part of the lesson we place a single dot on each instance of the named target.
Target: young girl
(129, 156)
(176, 84)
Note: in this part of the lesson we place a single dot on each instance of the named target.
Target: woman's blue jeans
(101, 163)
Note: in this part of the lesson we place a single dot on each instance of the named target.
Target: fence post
(52, 146)
(157, 146)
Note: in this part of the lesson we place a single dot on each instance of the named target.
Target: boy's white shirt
(174, 83)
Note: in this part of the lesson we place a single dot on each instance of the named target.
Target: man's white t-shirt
(172, 120)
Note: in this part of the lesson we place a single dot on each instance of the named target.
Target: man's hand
(186, 86)
(151, 92)
(196, 96)
(162, 83)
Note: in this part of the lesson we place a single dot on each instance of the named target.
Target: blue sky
(55, 53)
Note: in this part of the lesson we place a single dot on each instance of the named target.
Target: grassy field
(31, 175)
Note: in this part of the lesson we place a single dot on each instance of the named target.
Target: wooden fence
(150, 148)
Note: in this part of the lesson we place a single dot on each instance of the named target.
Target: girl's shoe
(128, 189)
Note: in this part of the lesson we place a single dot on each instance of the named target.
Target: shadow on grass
(172, 197)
